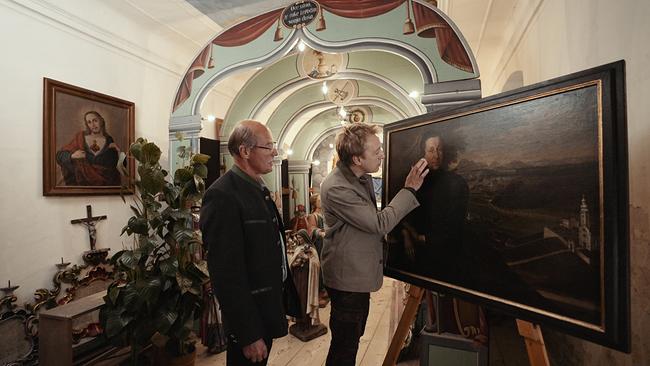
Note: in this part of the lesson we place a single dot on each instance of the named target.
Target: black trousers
(235, 355)
(347, 324)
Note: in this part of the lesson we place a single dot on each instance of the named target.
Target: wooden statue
(305, 270)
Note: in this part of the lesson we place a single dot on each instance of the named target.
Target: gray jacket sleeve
(352, 209)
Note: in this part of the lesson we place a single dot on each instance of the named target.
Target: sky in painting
(555, 128)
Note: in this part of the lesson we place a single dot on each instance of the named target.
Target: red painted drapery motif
(427, 22)
(431, 25)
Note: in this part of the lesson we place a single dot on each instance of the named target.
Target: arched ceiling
(490, 27)
(270, 84)
(284, 99)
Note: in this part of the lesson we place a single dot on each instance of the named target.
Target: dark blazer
(241, 229)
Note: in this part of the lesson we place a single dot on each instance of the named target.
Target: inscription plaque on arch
(300, 14)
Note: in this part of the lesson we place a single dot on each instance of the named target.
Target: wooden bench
(56, 344)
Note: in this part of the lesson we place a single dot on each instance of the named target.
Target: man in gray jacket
(352, 250)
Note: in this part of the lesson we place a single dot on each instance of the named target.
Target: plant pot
(162, 358)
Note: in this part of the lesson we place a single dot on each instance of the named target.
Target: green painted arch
(258, 87)
(326, 120)
(388, 27)
(263, 50)
(293, 103)
(390, 65)
(311, 94)
(383, 31)
(261, 88)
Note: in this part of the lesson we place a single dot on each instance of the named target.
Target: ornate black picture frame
(525, 208)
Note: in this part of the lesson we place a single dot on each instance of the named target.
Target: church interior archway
(309, 68)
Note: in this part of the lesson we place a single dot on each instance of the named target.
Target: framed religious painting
(525, 206)
(86, 137)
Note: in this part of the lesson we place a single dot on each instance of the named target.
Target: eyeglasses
(272, 147)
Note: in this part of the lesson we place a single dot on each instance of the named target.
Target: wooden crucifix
(89, 221)
(94, 256)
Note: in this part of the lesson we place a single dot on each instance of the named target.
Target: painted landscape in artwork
(531, 230)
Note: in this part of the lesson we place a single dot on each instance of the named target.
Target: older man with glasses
(243, 232)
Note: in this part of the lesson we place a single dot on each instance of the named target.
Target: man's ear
(244, 152)
(356, 160)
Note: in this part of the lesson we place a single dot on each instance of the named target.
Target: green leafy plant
(158, 294)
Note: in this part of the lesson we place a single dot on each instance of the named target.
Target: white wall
(565, 36)
(91, 44)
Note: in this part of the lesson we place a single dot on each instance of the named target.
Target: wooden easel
(411, 309)
(531, 333)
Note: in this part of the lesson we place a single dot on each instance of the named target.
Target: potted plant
(158, 294)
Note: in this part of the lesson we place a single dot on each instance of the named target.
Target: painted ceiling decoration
(265, 44)
(249, 30)
(319, 65)
(260, 96)
(341, 91)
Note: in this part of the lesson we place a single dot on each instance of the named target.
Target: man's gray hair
(241, 135)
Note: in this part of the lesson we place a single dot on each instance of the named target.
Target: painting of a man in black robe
(432, 233)
(511, 206)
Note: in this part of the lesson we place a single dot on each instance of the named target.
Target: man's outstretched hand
(417, 174)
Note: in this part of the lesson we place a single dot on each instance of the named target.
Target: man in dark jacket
(242, 230)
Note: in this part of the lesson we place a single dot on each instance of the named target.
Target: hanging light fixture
(408, 24)
(211, 63)
(278, 32)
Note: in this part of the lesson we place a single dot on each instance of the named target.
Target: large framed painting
(86, 137)
(525, 206)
